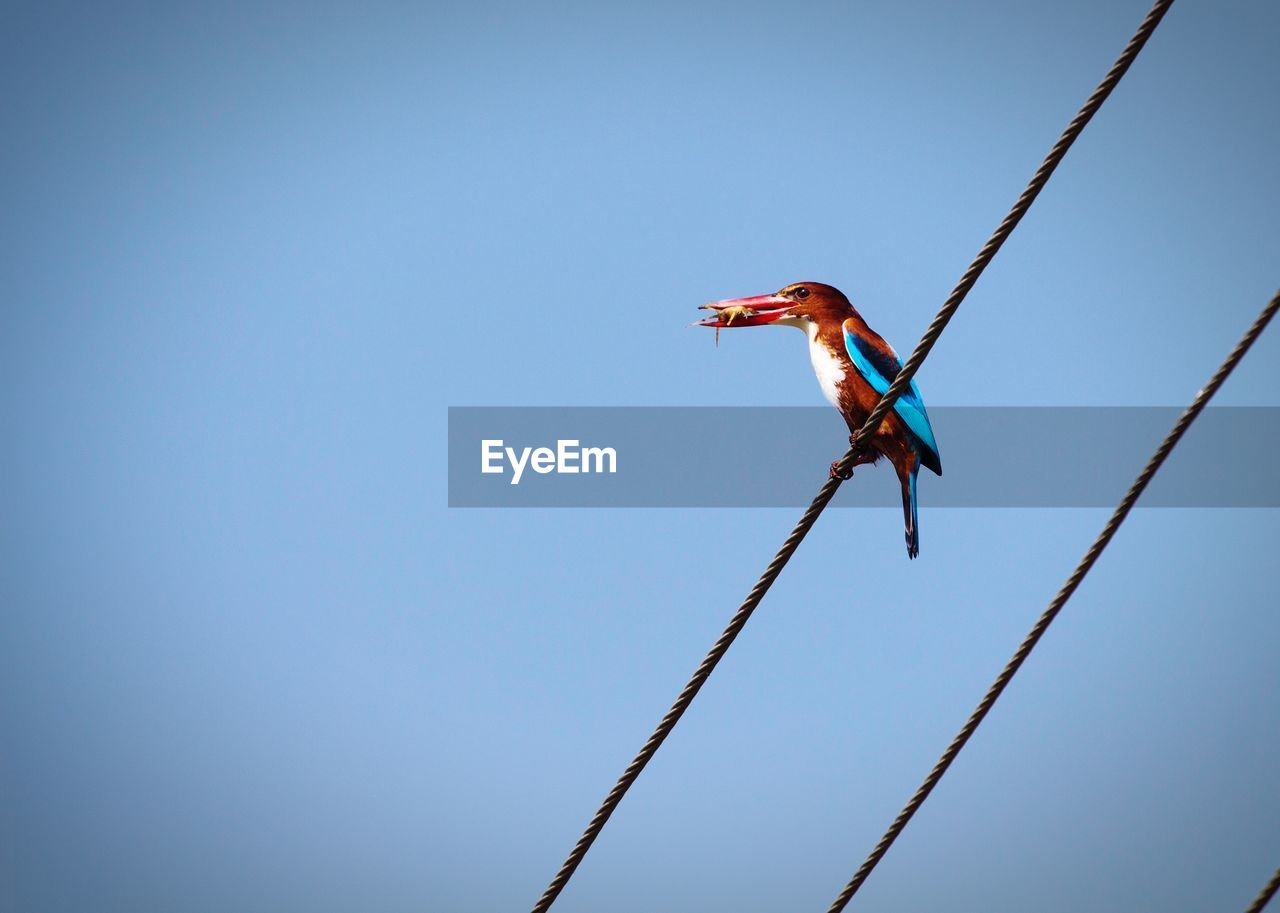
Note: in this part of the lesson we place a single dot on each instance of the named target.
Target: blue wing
(879, 370)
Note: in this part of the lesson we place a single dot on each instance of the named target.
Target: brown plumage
(854, 365)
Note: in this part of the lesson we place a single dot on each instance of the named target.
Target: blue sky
(249, 658)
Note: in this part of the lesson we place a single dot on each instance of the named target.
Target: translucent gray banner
(777, 457)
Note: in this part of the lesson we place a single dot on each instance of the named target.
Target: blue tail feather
(909, 513)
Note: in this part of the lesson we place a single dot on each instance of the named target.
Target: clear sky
(249, 660)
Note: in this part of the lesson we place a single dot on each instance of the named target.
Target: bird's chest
(830, 367)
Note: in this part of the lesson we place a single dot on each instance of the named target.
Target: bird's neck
(858, 324)
(828, 332)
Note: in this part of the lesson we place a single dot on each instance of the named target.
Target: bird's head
(796, 305)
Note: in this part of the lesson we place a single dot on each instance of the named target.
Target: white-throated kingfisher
(855, 366)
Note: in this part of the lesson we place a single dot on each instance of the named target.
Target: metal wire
(1028, 644)
(1001, 234)
(1264, 896)
(829, 488)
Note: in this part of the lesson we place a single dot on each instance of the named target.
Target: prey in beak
(755, 311)
(855, 366)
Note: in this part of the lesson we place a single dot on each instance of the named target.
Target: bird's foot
(853, 439)
(842, 475)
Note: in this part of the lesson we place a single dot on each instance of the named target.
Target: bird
(855, 366)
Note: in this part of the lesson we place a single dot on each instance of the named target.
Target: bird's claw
(847, 474)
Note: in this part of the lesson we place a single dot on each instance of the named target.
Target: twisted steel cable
(1001, 234)
(1264, 896)
(1028, 644)
(829, 488)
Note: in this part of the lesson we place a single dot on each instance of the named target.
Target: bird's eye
(802, 293)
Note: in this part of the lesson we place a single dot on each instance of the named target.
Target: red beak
(746, 312)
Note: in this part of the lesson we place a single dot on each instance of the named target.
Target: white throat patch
(826, 365)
